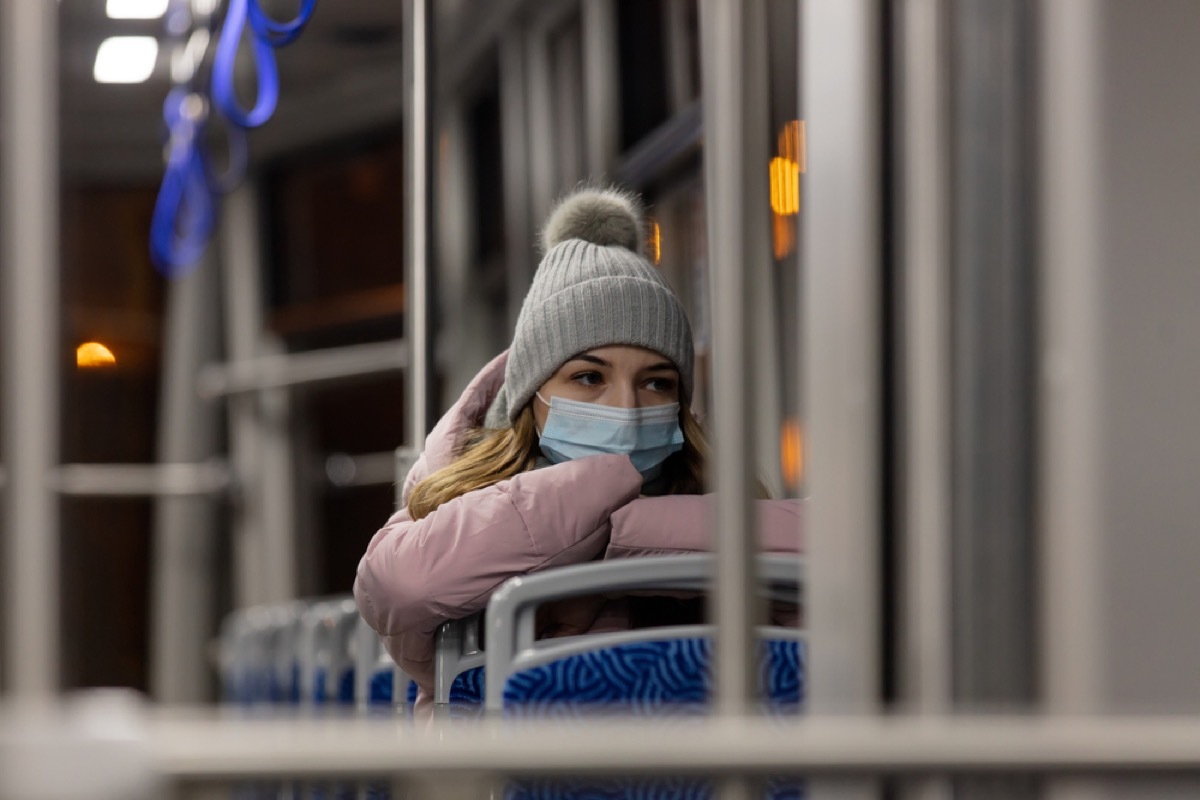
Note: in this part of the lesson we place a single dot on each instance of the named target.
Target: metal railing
(141, 480)
(194, 749)
(286, 370)
(187, 748)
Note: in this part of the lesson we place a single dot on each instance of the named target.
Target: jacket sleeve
(418, 573)
(683, 523)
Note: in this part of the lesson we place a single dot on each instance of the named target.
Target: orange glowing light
(94, 354)
(783, 236)
(785, 186)
(791, 453)
(786, 168)
(655, 242)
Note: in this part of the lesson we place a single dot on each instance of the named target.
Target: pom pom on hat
(604, 217)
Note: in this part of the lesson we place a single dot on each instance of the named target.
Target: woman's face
(618, 375)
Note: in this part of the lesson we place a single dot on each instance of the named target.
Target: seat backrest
(326, 657)
(260, 654)
(284, 644)
(619, 665)
(240, 663)
(376, 676)
(657, 672)
(663, 673)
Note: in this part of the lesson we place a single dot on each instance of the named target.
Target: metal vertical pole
(539, 107)
(680, 87)
(602, 105)
(1073, 610)
(264, 538)
(731, 99)
(183, 608)
(1120, 368)
(992, 357)
(923, 200)
(419, 231)
(767, 399)
(249, 557)
(1071, 597)
(472, 337)
(841, 98)
(514, 137)
(992, 333)
(32, 357)
(923, 203)
(840, 52)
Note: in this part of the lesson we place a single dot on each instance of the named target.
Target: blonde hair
(488, 456)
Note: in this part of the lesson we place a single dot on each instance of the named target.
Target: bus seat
(659, 674)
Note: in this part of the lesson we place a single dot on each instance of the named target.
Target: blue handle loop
(280, 33)
(185, 209)
(223, 93)
(184, 212)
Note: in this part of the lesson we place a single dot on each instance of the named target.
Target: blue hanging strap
(184, 212)
(223, 93)
(280, 33)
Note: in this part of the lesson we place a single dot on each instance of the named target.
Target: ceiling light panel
(136, 9)
(125, 59)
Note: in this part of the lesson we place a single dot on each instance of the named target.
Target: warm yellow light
(655, 243)
(786, 167)
(783, 236)
(791, 453)
(94, 354)
(785, 186)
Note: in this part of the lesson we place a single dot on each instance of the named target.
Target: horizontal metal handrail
(327, 365)
(364, 469)
(207, 478)
(141, 480)
(213, 748)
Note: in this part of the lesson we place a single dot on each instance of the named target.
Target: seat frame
(511, 636)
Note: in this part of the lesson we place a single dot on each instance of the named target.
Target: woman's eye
(661, 385)
(587, 378)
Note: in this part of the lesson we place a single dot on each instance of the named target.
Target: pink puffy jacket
(418, 574)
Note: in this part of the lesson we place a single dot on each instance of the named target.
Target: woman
(588, 449)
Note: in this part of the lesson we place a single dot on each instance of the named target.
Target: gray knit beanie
(592, 289)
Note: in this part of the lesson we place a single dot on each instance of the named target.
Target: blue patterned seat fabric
(633, 789)
(660, 679)
(656, 678)
(466, 694)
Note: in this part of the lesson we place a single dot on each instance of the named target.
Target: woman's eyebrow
(591, 359)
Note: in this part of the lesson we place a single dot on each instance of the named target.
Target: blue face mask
(647, 435)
